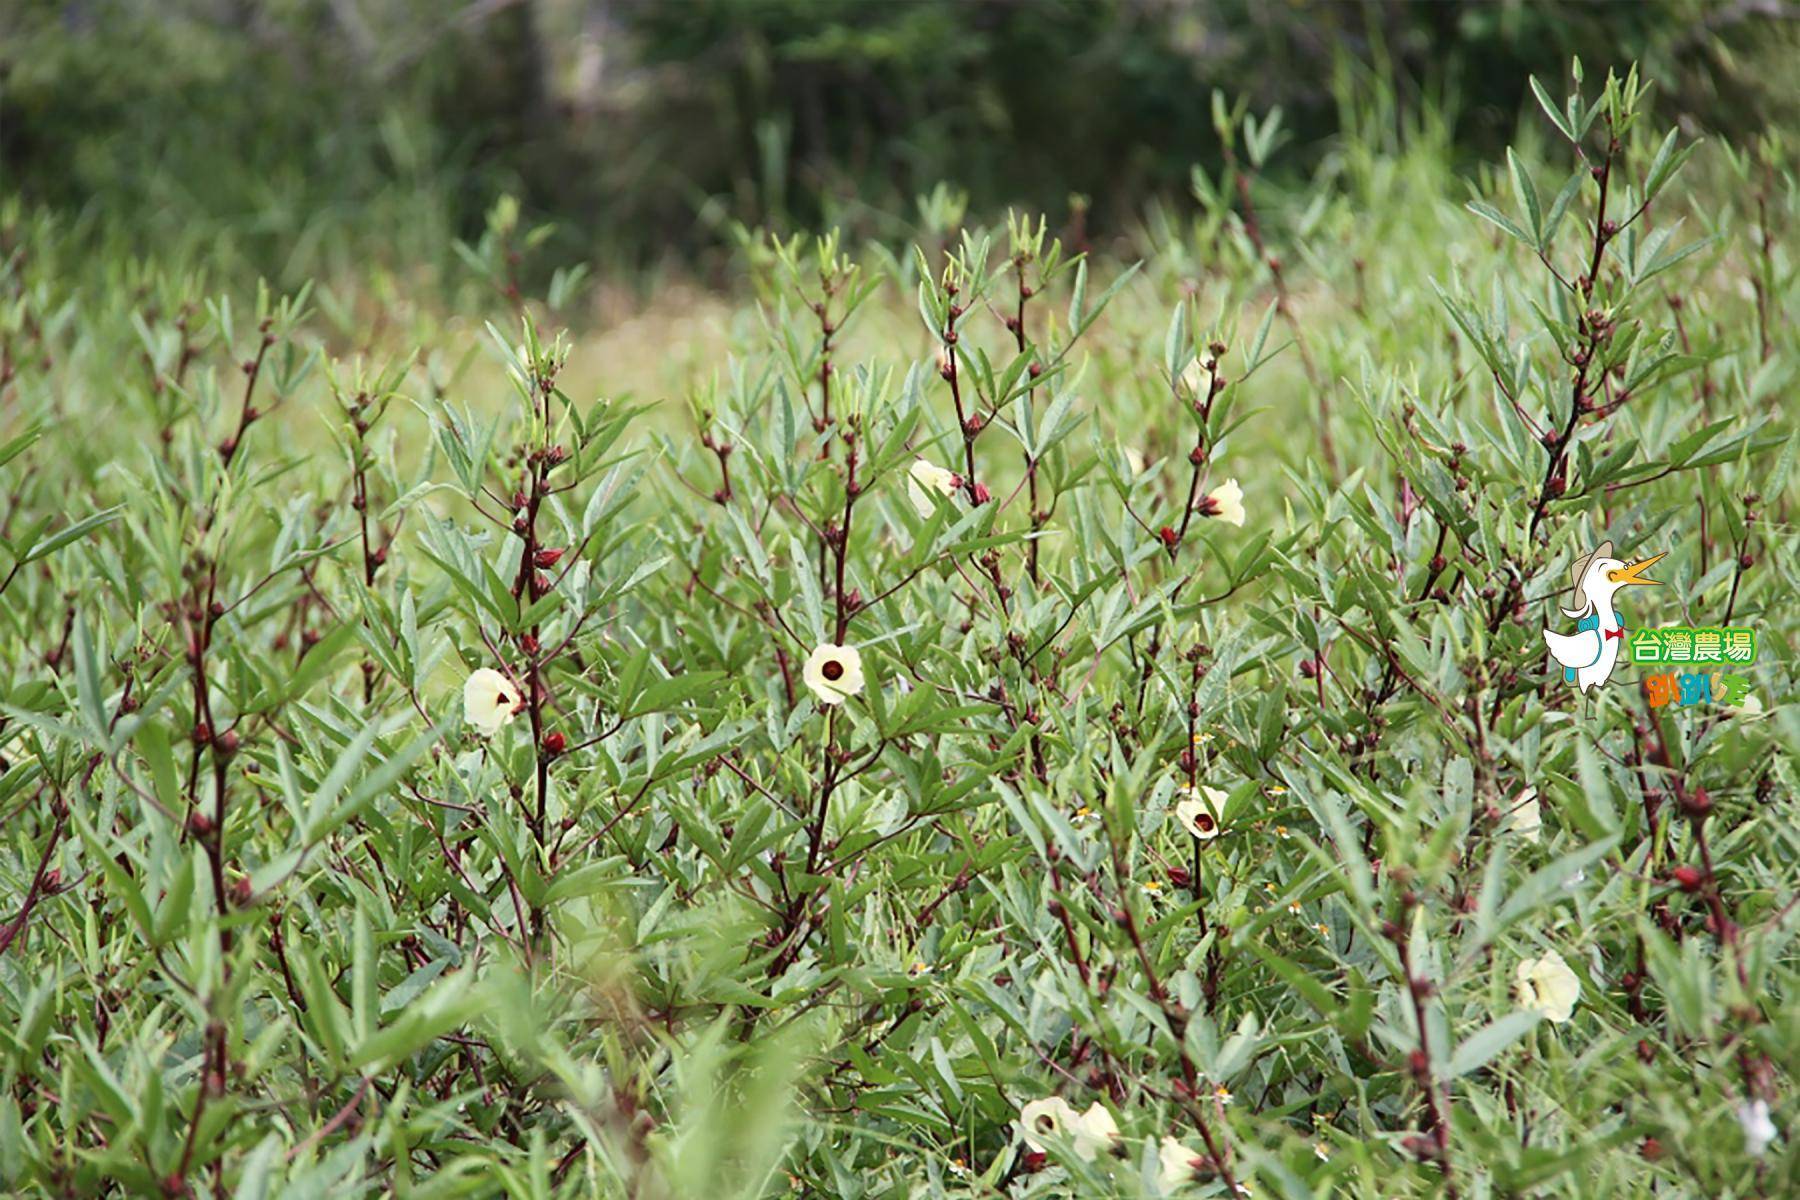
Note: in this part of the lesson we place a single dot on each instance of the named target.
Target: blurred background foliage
(283, 133)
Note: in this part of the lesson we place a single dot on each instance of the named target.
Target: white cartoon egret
(1589, 654)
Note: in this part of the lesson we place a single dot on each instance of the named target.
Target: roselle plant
(1023, 722)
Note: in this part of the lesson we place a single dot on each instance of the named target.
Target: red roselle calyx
(1688, 879)
(1168, 536)
(547, 557)
(982, 495)
(555, 742)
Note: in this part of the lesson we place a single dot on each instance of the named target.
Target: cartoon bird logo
(1589, 654)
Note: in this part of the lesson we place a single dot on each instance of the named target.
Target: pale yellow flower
(1199, 810)
(1750, 710)
(925, 481)
(1177, 1164)
(1225, 503)
(1095, 1132)
(1525, 817)
(1759, 1129)
(489, 701)
(1051, 1117)
(1192, 380)
(1088, 1134)
(1546, 985)
(833, 672)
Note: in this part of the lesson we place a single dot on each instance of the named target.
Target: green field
(967, 703)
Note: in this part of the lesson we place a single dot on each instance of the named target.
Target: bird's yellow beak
(1633, 573)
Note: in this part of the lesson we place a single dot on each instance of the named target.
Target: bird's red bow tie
(1615, 633)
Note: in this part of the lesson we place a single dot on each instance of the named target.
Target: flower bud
(555, 742)
(1688, 879)
(1169, 536)
(547, 557)
(982, 495)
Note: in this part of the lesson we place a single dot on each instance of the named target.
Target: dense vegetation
(1009, 724)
